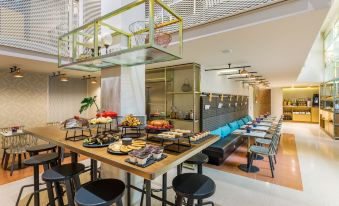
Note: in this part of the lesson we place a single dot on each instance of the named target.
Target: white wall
(276, 101)
(313, 70)
(211, 82)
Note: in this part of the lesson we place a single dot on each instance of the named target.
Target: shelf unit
(132, 40)
(169, 94)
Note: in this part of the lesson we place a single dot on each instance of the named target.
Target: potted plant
(87, 103)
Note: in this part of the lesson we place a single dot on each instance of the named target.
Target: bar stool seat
(41, 159)
(197, 159)
(193, 186)
(63, 172)
(102, 192)
(40, 148)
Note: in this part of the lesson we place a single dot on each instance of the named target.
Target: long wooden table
(55, 135)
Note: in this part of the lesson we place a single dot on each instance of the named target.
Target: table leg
(148, 193)
(179, 169)
(94, 170)
(128, 188)
(164, 189)
(245, 167)
(36, 185)
(74, 157)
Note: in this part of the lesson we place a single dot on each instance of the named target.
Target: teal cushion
(233, 125)
(225, 130)
(240, 122)
(245, 120)
(249, 118)
(216, 132)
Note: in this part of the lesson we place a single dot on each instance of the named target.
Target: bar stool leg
(69, 192)
(50, 194)
(190, 202)
(36, 185)
(178, 200)
(59, 193)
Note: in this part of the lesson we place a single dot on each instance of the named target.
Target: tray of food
(100, 140)
(200, 137)
(158, 126)
(174, 134)
(122, 148)
(146, 156)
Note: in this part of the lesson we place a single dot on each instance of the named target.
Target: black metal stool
(42, 159)
(193, 186)
(102, 192)
(34, 150)
(69, 173)
(198, 159)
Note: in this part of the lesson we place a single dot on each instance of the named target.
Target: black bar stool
(35, 150)
(47, 160)
(69, 173)
(193, 186)
(102, 192)
(198, 159)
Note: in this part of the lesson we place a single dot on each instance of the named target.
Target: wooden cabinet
(302, 117)
(315, 114)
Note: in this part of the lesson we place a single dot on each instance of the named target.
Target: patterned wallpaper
(23, 101)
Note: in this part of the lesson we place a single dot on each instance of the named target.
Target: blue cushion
(233, 125)
(216, 132)
(245, 120)
(225, 130)
(249, 118)
(240, 122)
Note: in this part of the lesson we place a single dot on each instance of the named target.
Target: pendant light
(94, 81)
(63, 78)
(18, 74)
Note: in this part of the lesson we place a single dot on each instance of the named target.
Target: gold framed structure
(108, 41)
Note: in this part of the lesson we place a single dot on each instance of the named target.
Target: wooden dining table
(55, 135)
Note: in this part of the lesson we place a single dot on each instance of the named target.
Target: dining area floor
(317, 154)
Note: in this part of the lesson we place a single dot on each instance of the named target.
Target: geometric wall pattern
(35, 24)
(23, 101)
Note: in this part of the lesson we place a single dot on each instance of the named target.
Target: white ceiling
(29, 65)
(276, 49)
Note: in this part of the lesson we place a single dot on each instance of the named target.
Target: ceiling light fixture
(63, 78)
(94, 80)
(17, 72)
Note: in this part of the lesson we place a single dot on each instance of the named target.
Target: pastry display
(143, 155)
(199, 136)
(183, 131)
(107, 114)
(130, 121)
(75, 122)
(159, 124)
(101, 139)
(101, 120)
(170, 134)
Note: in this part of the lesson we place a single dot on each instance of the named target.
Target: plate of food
(119, 148)
(100, 140)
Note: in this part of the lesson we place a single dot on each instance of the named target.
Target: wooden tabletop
(55, 135)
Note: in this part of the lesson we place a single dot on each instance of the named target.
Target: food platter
(100, 140)
(118, 148)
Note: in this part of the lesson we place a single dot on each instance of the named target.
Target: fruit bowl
(130, 121)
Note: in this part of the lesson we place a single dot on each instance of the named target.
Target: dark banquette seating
(222, 117)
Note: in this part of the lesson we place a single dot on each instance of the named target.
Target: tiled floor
(287, 169)
(318, 158)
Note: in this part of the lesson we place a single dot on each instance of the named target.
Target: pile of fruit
(107, 114)
(130, 121)
(159, 124)
(101, 120)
